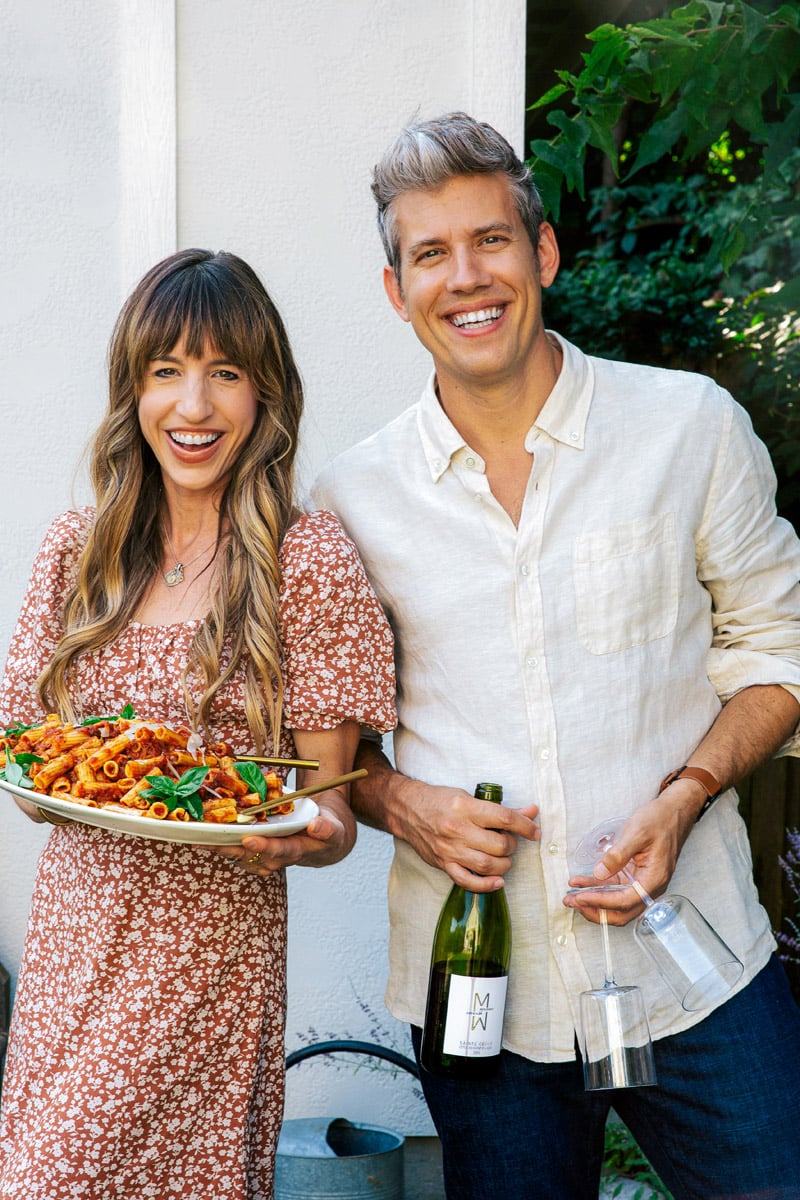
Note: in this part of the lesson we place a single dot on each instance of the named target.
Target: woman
(147, 1050)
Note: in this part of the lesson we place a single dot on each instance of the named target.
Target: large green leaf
(789, 14)
(611, 49)
(574, 129)
(660, 138)
(548, 181)
(555, 93)
(716, 12)
(754, 24)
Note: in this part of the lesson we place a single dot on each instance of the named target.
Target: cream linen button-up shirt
(577, 658)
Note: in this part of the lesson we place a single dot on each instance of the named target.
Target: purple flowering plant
(790, 863)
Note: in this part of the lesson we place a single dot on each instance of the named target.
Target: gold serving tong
(245, 817)
(310, 764)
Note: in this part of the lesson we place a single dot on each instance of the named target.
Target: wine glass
(691, 957)
(614, 1036)
(590, 849)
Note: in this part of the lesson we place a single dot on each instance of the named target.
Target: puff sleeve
(39, 626)
(338, 649)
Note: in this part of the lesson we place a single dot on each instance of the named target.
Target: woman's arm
(331, 835)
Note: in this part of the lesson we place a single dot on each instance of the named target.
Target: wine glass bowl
(691, 957)
(615, 1039)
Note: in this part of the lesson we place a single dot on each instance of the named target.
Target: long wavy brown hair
(213, 300)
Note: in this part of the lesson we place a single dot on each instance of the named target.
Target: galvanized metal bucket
(320, 1158)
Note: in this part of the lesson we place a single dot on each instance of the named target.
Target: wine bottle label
(474, 1023)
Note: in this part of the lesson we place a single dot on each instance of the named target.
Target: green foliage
(694, 259)
(623, 299)
(704, 71)
(623, 1159)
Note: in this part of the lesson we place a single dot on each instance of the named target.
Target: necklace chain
(175, 576)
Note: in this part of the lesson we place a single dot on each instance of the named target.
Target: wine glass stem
(607, 949)
(641, 893)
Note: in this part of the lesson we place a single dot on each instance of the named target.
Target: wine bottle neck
(490, 791)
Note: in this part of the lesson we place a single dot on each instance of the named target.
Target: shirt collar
(440, 438)
(566, 410)
(563, 417)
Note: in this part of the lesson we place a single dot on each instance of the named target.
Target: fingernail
(601, 871)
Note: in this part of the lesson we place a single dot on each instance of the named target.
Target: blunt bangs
(209, 305)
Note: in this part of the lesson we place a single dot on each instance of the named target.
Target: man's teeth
(482, 316)
(194, 439)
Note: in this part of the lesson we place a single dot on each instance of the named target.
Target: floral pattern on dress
(146, 1057)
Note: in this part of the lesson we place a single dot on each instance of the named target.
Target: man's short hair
(427, 154)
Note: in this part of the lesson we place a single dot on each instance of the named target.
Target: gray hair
(427, 154)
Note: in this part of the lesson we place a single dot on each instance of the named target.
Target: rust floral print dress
(146, 1058)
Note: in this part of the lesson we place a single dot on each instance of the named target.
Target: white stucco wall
(280, 112)
(59, 200)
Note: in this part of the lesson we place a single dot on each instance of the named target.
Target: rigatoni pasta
(137, 767)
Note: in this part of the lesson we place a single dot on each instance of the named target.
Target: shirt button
(562, 939)
(470, 462)
(544, 754)
(574, 437)
(553, 848)
(531, 661)
(524, 569)
(477, 496)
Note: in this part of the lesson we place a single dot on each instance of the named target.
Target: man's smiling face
(471, 281)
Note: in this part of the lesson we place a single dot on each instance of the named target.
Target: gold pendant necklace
(176, 575)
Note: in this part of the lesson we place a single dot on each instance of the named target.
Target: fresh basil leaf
(128, 714)
(194, 806)
(15, 729)
(25, 759)
(161, 786)
(250, 773)
(191, 781)
(14, 773)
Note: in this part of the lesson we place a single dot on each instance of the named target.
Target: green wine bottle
(463, 1030)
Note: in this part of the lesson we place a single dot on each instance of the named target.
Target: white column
(148, 137)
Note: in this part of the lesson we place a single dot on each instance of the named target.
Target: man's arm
(471, 840)
(750, 728)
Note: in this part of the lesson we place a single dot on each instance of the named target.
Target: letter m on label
(480, 1010)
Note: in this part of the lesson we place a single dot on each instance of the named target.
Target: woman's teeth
(194, 439)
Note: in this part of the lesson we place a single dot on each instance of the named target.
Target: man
(589, 590)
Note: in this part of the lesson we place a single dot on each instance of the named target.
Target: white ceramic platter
(197, 833)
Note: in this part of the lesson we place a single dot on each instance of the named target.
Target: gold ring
(254, 857)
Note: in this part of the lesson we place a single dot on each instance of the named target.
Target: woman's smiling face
(196, 415)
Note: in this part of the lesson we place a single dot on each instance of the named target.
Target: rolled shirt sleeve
(749, 560)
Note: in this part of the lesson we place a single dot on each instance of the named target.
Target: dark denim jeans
(722, 1123)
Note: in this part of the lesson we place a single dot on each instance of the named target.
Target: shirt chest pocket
(626, 584)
